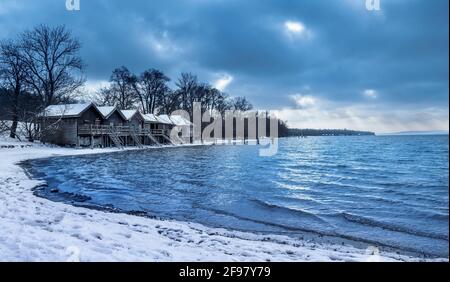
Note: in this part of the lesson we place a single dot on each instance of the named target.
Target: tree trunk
(15, 114)
(14, 126)
(30, 137)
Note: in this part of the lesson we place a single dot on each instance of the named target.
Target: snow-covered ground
(36, 229)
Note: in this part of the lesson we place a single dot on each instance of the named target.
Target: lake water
(388, 190)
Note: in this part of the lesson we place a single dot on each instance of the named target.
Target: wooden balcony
(96, 130)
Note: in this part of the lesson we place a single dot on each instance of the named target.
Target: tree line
(42, 66)
(326, 132)
(151, 93)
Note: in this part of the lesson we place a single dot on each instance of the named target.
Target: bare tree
(187, 85)
(4, 126)
(240, 104)
(221, 104)
(54, 68)
(169, 103)
(190, 91)
(12, 78)
(36, 125)
(121, 91)
(216, 98)
(105, 97)
(151, 89)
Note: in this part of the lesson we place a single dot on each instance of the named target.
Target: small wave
(299, 200)
(297, 212)
(270, 223)
(321, 232)
(439, 216)
(384, 200)
(75, 197)
(396, 228)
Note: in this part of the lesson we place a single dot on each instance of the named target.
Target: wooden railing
(146, 131)
(91, 129)
(157, 132)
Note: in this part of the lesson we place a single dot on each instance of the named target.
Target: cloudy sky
(316, 63)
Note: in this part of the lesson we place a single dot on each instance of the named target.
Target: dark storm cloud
(401, 51)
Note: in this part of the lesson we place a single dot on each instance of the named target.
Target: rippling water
(388, 190)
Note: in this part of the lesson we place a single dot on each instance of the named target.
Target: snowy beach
(36, 229)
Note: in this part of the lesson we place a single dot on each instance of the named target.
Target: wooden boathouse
(88, 125)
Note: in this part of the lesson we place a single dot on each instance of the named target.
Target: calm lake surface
(390, 190)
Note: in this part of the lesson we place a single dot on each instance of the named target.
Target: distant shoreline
(416, 133)
(297, 132)
(309, 132)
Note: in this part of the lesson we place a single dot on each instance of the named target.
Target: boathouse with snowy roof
(90, 125)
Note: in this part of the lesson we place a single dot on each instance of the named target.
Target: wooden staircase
(115, 137)
(136, 138)
(167, 139)
(178, 139)
(150, 135)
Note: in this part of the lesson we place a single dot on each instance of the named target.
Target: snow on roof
(149, 117)
(106, 110)
(128, 114)
(179, 120)
(164, 119)
(67, 110)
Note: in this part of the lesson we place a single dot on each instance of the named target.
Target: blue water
(384, 190)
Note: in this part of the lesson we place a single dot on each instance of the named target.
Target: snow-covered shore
(36, 229)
